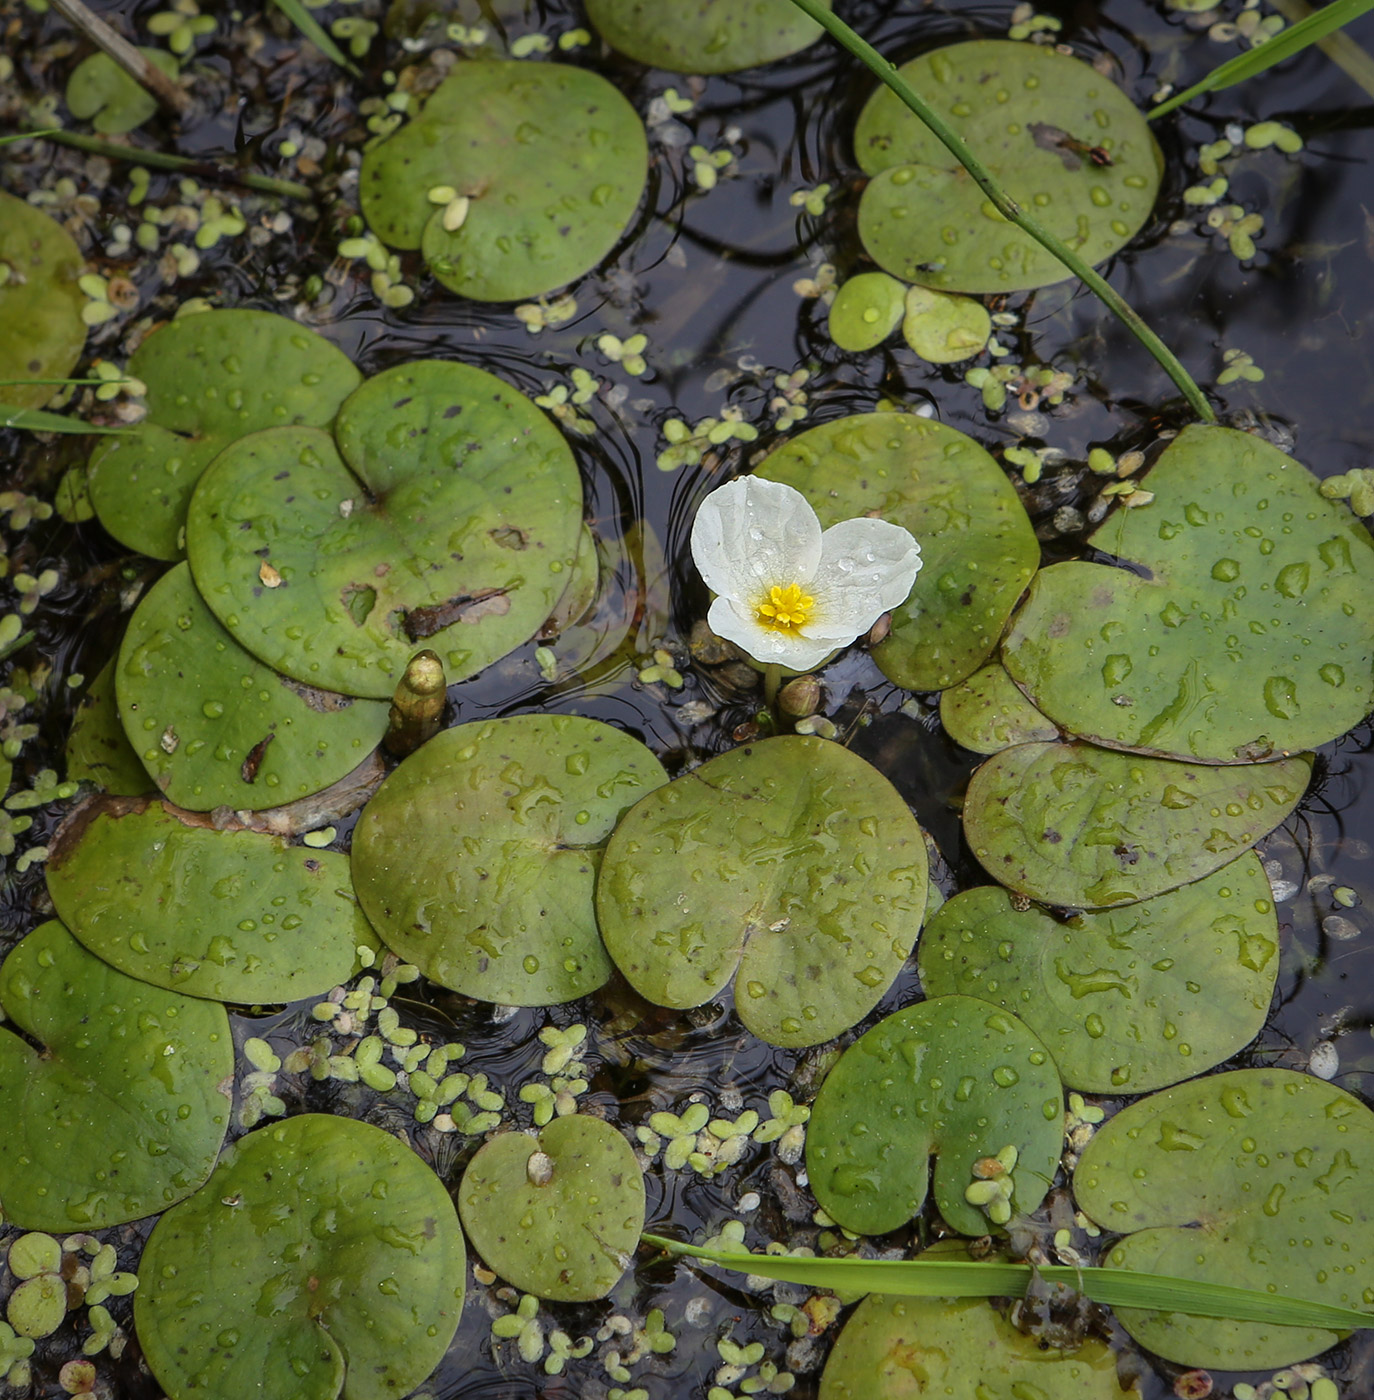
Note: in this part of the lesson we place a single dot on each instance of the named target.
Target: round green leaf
(1240, 629)
(866, 310)
(986, 713)
(450, 521)
(98, 751)
(978, 548)
(117, 1101)
(791, 863)
(217, 728)
(477, 858)
(1127, 1000)
(551, 158)
(559, 1214)
(704, 36)
(958, 1349)
(212, 378)
(1038, 120)
(1085, 828)
(322, 1259)
(228, 914)
(101, 92)
(1249, 1178)
(40, 303)
(954, 1077)
(944, 329)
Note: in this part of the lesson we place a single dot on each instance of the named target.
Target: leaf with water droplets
(558, 1215)
(173, 899)
(98, 750)
(477, 858)
(952, 1077)
(112, 1091)
(977, 545)
(1259, 1177)
(551, 158)
(789, 866)
(212, 378)
(1090, 828)
(447, 516)
(1239, 628)
(923, 219)
(322, 1261)
(1127, 1000)
(986, 713)
(866, 310)
(707, 36)
(40, 302)
(199, 708)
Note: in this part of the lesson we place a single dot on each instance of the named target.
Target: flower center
(785, 609)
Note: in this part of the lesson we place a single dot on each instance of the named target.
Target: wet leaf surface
(551, 159)
(704, 36)
(1085, 828)
(788, 866)
(228, 914)
(1127, 1000)
(559, 1214)
(923, 219)
(113, 1093)
(866, 310)
(448, 516)
(212, 378)
(322, 1259)
(477, 858)
(953, 1077)
(214, 726)
(987, 713)
(98, 750)
(1257, 1177)
(1240, 629)
(977, 546)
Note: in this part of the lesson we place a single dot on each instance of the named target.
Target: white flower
(785, 592)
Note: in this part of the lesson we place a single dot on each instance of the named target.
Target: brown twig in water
(146, 74)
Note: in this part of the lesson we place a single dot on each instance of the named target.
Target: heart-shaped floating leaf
(100, 91)
(116, 1103)
(978, 548)
(214, 726)
(866, 310)
(943, 328)
(322, 1259)
(1259, 1177)
(212, 378)
(515, 178)
(234, 915)
(1240, 629)
(98, 750)
(1063, 141)
(1085, 828)
(557, 1215)
(959, 1349)
(40, 303)
(450, 521)
(953, 1077)
(987, 713)
(477, 858)
(707, 36)
(1127, 1000)
(791, 863)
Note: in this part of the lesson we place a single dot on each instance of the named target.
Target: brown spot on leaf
(249, 769)
(465, 607)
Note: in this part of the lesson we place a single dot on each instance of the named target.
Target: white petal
(866, 567)
(766, 644)
(751, 534)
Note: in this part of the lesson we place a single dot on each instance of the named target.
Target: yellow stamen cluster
(785, 609)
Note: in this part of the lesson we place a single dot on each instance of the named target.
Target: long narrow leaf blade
(1283, 45)
(35, 420)
(938, 1278)
(314, 31)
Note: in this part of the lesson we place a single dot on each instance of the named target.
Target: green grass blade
(1283, 45)
(35, 420)
(1118, 1288)
(314, 31)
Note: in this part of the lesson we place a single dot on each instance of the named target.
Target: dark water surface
(709, 278)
